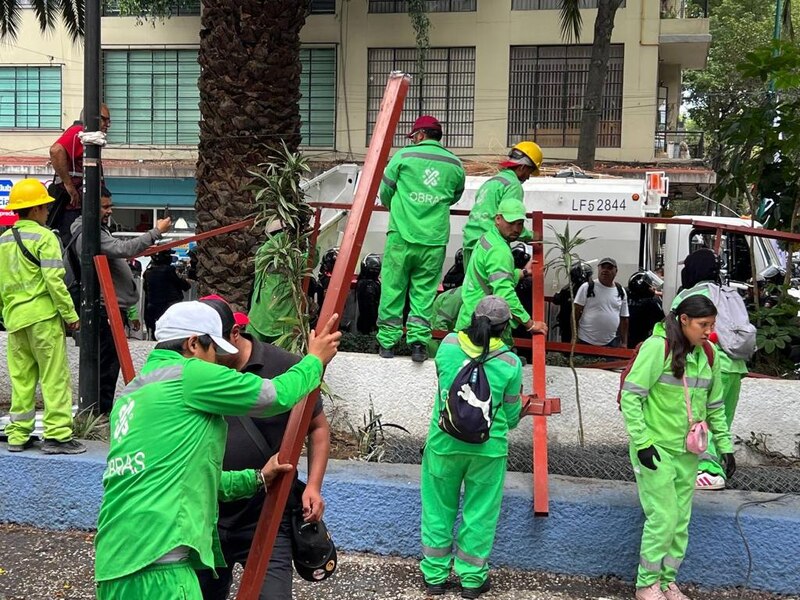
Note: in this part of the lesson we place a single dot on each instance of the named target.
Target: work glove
(648, 456)
(729, 464)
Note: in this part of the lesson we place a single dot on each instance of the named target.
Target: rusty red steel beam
(114, 317)
(363, 204)
(197, 237)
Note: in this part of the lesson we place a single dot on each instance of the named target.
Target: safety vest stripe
(475, 561)
(159, 375)
(484, 286)
(26, 416)
(55, 263)
(508, 359)
(266, 397)
(629, 386)
(709, 457)
(650, 566)
(672, 562)
(500, 275)
(418, 321)
(437, 552)
(434, 157)
(487, 245)
(23, 235)
(692, 382)
(450, 339)
(394, 322)
(502, 180)
(510, 397)
(389, 182)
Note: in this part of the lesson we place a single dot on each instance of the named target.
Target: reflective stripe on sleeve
(159, 375)
(389, 182)
(55, 263)
(266, 397)
(629, 386)
(500, 275)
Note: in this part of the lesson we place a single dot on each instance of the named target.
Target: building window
(322, 7)
(446, 90)
(30, 97)
(401, 6)
(550, 4)
(153, 96)
(318, 97)
(546, 91)
(176, 8)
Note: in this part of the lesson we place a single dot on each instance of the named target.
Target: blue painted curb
(593, 528)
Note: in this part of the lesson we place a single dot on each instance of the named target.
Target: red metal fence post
(114, 317)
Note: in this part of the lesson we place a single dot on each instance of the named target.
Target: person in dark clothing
(368, 294)
(163, 287)
(644, 306)
(580, 273)
(248, 441)
(524, 288)
(700, 265)
(455, 275)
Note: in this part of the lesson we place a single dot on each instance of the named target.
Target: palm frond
(571, 20)
(74, 17)
(46, 12)
(10, 15)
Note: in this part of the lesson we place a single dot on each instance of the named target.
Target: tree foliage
(47, 12)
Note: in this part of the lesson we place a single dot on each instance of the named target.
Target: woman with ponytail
(674, 367)
(449, 462)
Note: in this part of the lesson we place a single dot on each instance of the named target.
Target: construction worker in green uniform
(444, 315)
(522, 163)
(491, 269)
(449, 463)
(672, 369)
(700, 273)
(35, 305)
(419, 185)
(158, 517)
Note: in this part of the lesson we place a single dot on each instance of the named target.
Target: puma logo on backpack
(467, 409)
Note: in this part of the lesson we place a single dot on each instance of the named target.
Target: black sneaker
(20, 447)
(68, 447)
(476, 592)
(385, 352)
(436, 589)
(418, 353)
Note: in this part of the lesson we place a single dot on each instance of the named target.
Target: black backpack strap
(256, 436)
(590, 289)
(620, 291)
(25, 252)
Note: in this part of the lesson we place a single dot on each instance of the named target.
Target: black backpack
(467, 413)
(590, 290)
(72, 266)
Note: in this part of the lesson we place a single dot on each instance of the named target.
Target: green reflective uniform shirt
(502, 186)
(419, 185)
(653, 403)
(30, 294)
(164, 473)
(490, 271)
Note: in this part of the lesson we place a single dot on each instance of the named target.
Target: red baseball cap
(425, 122)
(241, 319)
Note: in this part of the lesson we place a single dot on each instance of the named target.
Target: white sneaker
(652, 592)
(673, 592)
(707, 481)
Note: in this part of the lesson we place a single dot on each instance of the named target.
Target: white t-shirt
(601, 313)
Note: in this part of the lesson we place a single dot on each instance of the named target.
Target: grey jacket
(118, 251)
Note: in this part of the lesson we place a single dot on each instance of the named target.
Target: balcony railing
(176, 9)
(684, 9)
(680, 144)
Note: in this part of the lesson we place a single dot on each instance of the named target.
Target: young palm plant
(283, 257)
(564, 249)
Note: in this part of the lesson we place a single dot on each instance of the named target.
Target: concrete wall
(402, 392)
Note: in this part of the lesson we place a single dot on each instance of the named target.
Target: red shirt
(70, 141)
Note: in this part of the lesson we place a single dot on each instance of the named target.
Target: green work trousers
(710, 460)
(440, 486)
(38, 354)
(414, 270)
(666, 498)
(172, 581)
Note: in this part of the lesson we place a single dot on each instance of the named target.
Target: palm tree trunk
(595, 85)
(249, 93)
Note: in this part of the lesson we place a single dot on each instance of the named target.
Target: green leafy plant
(371, 436)
(89, 425)
(778, 326)
(422, 26)
(564, 251)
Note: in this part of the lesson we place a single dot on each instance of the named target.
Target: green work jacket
(30, 294)
(445, 309)
(490, 271)
(727, 364)
(653, 404)
(489, 196)
(419, 185)
(164, 473)
(504, 373)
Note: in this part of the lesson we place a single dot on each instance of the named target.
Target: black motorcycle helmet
(371, 265)
(521, 255)
(580, 273)
(460, 258)
(329, 259)
(640, 285)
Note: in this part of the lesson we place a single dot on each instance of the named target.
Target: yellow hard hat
(528, 154)
(27, 194)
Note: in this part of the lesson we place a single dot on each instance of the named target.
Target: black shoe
(20, 447)
(436, 589)
(385, 352)
(418, 353)
(68, 447)
(476, 592)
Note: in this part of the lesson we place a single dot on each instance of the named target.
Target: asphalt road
(44, 565)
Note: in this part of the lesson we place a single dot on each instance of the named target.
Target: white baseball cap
(185, 319)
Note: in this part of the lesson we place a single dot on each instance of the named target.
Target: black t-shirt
(241, 452)
(644, 314)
